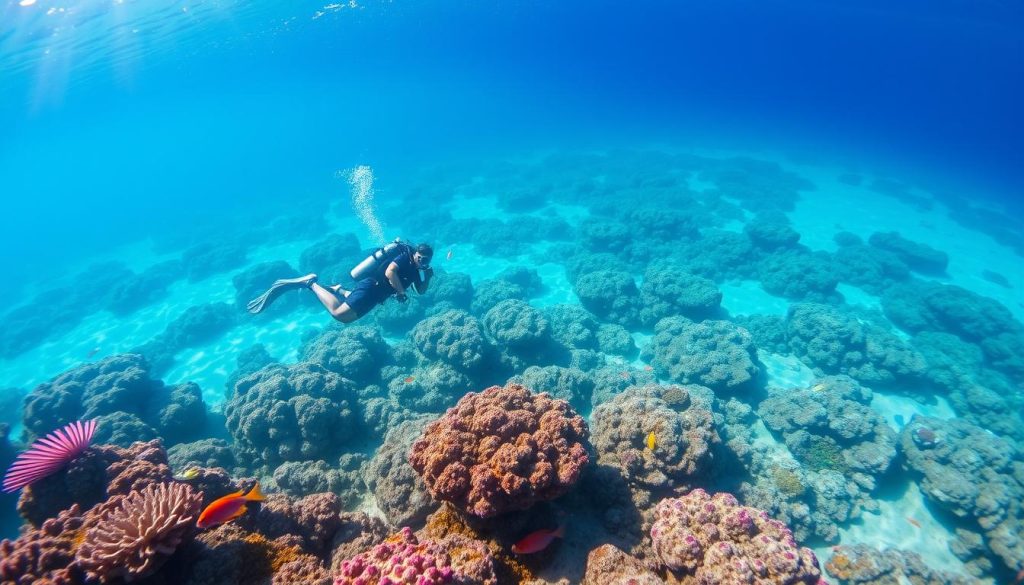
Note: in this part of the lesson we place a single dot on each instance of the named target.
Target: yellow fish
(650, 440)
(188, 475)
(819, 387)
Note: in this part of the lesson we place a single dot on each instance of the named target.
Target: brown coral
(43, 555)
(134, 534)
(501, 450)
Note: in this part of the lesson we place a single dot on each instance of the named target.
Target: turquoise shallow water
(616, 223)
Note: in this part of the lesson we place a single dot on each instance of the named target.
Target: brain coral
(716, 354)
(715, 540)
(669, 290)
(683, 427)
(502, 449)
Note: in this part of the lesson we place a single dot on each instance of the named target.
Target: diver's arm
(392, 275)
(421, 287)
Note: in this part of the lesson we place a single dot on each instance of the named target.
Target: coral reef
(570, 384)
(255, 279)
(400, 493)
(669, 290)
(453, 337)
(119, 385)
(974, 475)
(402, 558)
(861, 564)
(917, 256)
(198, 324)
(830, 426)
(298, 413)
(715, 540)
(355, 352)
(834, 342)
(682, 424)
(501, 450)
(607, 565)
(716, 354)
(331, 257)
(610, 295)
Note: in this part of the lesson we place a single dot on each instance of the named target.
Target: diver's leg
(328, 299)
(336, 288)
(345, 314)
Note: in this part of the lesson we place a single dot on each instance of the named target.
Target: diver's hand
(428, 272)
(402, 297)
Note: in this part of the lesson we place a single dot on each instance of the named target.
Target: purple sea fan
(49, 454)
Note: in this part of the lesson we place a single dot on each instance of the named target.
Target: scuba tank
(369, 266)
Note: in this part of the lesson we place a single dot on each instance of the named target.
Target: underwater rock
(770, 231)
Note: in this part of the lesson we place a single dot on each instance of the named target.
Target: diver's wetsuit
(372, 291)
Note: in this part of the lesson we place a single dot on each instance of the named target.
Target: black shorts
(366, 295)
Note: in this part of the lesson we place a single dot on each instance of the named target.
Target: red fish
(1020, 577)
(537, 541)
(448, 256)
(914, 522)
(648, 368)
(228, 508)
(625, 375)
(409, 379)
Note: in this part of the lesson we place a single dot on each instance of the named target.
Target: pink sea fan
(49, 454)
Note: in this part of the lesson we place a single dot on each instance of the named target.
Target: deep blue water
(237, 103)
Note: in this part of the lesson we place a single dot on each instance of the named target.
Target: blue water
(133, 131)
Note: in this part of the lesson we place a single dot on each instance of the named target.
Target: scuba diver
(390, 270)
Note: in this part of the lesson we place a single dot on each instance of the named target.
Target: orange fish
(648, 368)
(448, 256)
(1020, 577)
(625, 375)
(537, 541)
(228, 508)
(409, 380)
(914, 522)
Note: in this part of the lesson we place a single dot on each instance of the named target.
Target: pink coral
(715, 540)
(399, 559)
(133, 535)
(500, 450)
